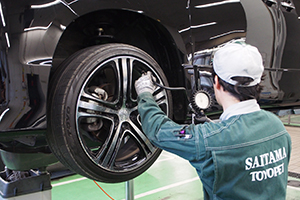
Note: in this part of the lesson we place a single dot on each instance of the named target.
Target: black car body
(68, 67)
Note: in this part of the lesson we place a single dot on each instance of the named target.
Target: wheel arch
(128, 27)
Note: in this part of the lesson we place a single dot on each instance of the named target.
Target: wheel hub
(124, 114)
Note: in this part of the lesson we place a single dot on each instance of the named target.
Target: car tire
(93, 123)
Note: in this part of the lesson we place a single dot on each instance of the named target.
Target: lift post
(129, 190)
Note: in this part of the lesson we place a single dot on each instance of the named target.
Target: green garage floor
(170, 177)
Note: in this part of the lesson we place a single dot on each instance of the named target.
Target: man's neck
(228, 100)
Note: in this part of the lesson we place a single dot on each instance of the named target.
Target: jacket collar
(243, 107)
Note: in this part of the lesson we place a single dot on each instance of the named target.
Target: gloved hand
(145, 84)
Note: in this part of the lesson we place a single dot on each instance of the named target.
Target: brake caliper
(95, 124)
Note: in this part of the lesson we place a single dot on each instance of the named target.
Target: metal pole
(129, 190)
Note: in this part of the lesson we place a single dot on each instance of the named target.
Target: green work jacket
(243, 157)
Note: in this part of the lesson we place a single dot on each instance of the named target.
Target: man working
(246, 154)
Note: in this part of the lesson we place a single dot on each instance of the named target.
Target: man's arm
(166, 134)
(152, 117)
(162, 131)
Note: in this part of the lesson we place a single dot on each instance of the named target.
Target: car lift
(25, 176)
(36, 185)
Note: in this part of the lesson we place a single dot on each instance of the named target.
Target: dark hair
(240, 90)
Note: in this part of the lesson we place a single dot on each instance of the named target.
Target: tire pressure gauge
(201, 100)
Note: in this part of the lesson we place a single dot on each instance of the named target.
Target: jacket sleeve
(165, 134)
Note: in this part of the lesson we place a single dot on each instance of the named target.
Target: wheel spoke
(125, 79)
(143, 140)
(161, 101)
(91, 106)
(160, 95)
(111, 149)
(124, 67)
(98, 100)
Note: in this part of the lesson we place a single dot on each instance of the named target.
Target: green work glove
(145, 84)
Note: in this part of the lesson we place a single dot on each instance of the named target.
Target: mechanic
(243, 156)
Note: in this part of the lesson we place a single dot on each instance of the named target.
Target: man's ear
(217, 83)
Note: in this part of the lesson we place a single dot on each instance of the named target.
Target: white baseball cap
(238, 59)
